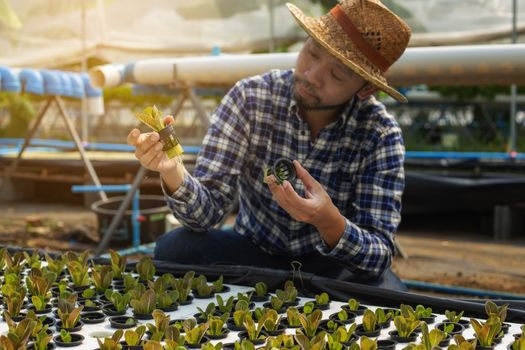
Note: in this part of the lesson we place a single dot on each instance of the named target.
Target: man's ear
(366, 91)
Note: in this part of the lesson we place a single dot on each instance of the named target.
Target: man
(338, 218)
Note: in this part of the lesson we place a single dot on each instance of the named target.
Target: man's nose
(315, 75)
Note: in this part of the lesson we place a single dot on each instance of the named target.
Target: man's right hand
(148, 150)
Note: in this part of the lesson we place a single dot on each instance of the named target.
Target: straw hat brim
(312, 27)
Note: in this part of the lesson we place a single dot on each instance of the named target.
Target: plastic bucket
(153, 211)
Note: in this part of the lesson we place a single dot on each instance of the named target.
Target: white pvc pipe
(453, 65)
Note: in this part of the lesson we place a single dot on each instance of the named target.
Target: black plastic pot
(208, 296)
(96, 307)
(204, 339)
(46, 310)
(188, 301)
(458, 328)
(130, 347)
(360, 310)
(225, 289)
(280, 330)
(464, 323)
(170, 308)
(430, 319)
(50, 321)
(79, 289)
(50, 346)
(350, 319)
(282, 310)
(395, 336)
(92, 317)
(18, 318)
(505, 327)
(445, 342)
(322, 306)
(371, 334)
(78, 327)
(220, 336)
(386, 344)
(120, 322)
(284, 321)
(76, 340)
(385, 324)
(244, 335)
(324, 325)
(231, 326)
(260, 299)
(142, 316)
(110, 310)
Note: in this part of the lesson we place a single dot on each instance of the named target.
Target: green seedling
(216, 324)
(292, 315)
(183, 285)
(174, 340)
(134, 337)
(153, 345)
(342, 315)
(65, 336)
(39, 325)
(383, 317)
(79, 273)
(462, 344)
(145, 269)
(245, 344)
(89, 293)
(369, 321)
(317, 342)
(68, 314)
(102, 277)
(261, 289)
(210, 346)
(41, 340)
(209, 311)
(152, 117)
(110, 343)
(422, 312)
(253, 332)
(364, 344)
(118, 264)
(224, 306)
(15, 301)
(271, 320)
(18, 334)
(55, 265)
(203, 289)
(239, 315)
(161, 324)
(282, 341)
(119, 301)
(289, 294)
(82, 258)
(33, 260)
(276, 302)
(310, 323)
(453, 316)
(353, 304)
(494, 310)
(130, 282)
(218, 285)
(193, 332)
(14, 264)
(322, 299)
(308, 307)
(429, 340)
(145, 304)
(486, 332)
(405, 326)
(167, 299)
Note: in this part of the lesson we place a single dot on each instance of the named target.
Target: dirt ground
(444, 256)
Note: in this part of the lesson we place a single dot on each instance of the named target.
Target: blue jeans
(214, 247)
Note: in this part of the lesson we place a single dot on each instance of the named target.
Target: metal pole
(84, 122)
(513, 89)
(271, 43)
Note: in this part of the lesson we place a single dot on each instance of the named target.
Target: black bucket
(153, 212)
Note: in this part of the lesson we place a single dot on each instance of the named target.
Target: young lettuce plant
(18, 335)
(486, 332)
(452, 316)
(308, 307)
(14, 264)
(353, 304)
(193, 332)
(102, 277)
(310, 323)
(39, 287)
(41, 340)
(317, 342)
(365, 343)
(130, 282)
(289, 294)
(224, 306)
(369, 321)
(271, 320)
(33, 260)
(245, 344)
(68, 313)
(216, 325)
(202, 288)
(146, 269)
(429, 340)
(14, 302)
(218, 284)
(238, 317)
(261, 289)
(119, 301)
(292, 315)
(110, 343)
(422, 312)
(382, 316)
(405, 326)
(276, 302)
(207, 312)
(161, 324)
(79, 273)
(55, 265)
(494, 310)
(146, 304)
(183, 285)
(118, 264)
(322, 300)
(134, 337)
(519, 344)
(174, 340)
(253, 332)
(462, 344)
(282, 341)
(167, 299)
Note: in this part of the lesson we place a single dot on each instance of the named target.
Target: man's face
(321, 81)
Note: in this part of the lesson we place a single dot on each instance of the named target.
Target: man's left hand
(316, 209)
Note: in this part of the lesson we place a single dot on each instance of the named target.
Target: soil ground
(446, 254)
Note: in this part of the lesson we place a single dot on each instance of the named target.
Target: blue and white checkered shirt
(358, 159)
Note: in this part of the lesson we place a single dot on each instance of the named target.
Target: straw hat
(363, 34)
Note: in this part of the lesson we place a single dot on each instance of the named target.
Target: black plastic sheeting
(309, 284)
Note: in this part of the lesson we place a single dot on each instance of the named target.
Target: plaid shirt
(358, 159)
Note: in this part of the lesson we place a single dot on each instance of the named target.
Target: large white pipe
(451, 65)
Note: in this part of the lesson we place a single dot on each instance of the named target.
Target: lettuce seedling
(310, 323)
(39, 325)
(353, 304)
(519, 344)
(193, 332)
(242, 305)
(422, 312)
(119, 301)
(342, 315)
(41, 340)
(405, 326)
(153, 345)
(245, 344)
(494, 310)
(218, 284)
(276, 302)
(18, 335)
(65, 336)
(82, 258)
(40, 285)
(203, 289)
(365, 343)
(145, 269)
(173, 338)
(55, 265)
(167, 299)
(15, 301)
(33, 260)
(245, 296)
(89, 293)
(161, 324)
(462, 344)
(102, 277)
(118, 264)
(223, 306)
(14, 264)
(369, 321)
(452, 316)
(486, 332)
(238, 317)
(311, 343)
(261, 289)
(216, 324)
(270, 319)
(110, 343)
(253, 332)
(322, 299)
(205, 313)
(130, 282)
(292, 315)
(69, 317)
(282, 341)
(289, 294)
(134, 337)
(183, 285)
(429, 340)
(308, 307)
(79, 273)
(146, 304)
(343, 335)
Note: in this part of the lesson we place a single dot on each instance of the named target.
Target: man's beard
(317, 104)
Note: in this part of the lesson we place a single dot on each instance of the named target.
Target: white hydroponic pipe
(451, 65)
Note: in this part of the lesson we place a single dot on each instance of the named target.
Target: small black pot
(20, 317)
(260, 299)
(76, 340)
(188, 301)
(46, 310)
(394, 336)
(50, 346)
(92, 317)
(445, 342)
(96, 307)
(131, 347)
(170, 308)
(55, 291)
(386, 344)
(323, 325)
(231, 326)
(110, 310)
(244, 335)
(430, 319)
(464, 323)
(209, 296)
(142, 316)
(458, 328)
(292, 303)
(505, 327)
(385, 324)
(220, 336)
(79, 289)
(280, 330)
(204, 339)
(372, 334)
(50, 321)
(119, 322)
(78, 327)
(350, 319)
(479, 347)
(225, 289)
(284, 321)
(282, 310)
(322, 306)
(360, 310)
